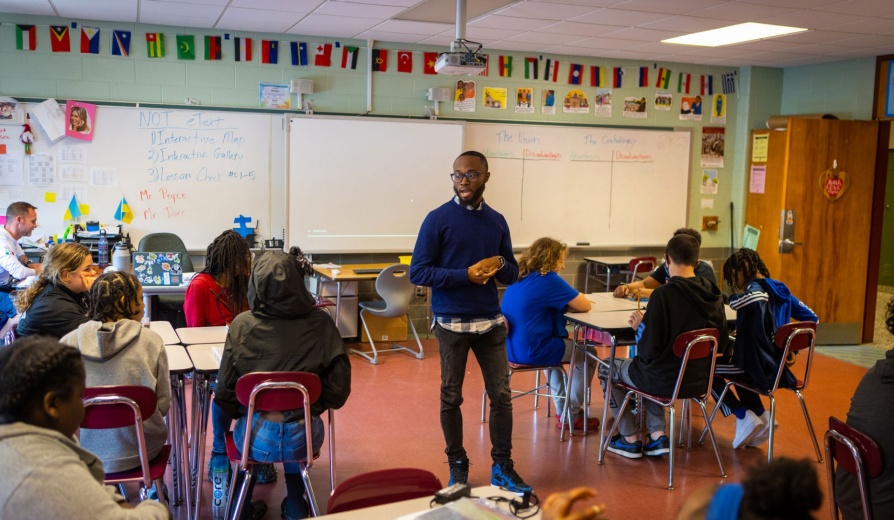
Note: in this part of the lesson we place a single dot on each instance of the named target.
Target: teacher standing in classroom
(462, 246)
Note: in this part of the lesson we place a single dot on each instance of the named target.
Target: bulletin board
(185, 171)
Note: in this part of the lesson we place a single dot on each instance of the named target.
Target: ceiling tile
(620, 17)
(544, 38)
(642, 35)
(289, 6)
(180, 13)
(401, 3)
(867, 8)
(508, 22)
(742, 12)
(665, 6)
(580, 29)
(385, 36)
(123, 10)
(407, 27)
(482, 33)
(884, 26)
(335, 26)
(685, 24)
(810, 19)
(357, 10)
(545, 10)
(241, 19)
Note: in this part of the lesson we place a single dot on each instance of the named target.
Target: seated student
(686, 302)
(57, 302)
(282, 332)
(534, 307)
(660, 275)
(762, 305)
(118, 350)
(46, 474)
(874, 394)
(786, 489)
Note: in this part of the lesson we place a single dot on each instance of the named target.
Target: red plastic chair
(689, 346)
(791, 337)
(280, 392)
(857, 454)
(639, 265)
(108, 407)
(382, 487)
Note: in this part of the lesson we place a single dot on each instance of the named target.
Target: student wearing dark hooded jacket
(762, 305)
(686, 302)
(283, 332)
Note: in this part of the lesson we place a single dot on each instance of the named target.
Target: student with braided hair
(762, 305)
(46, 473)
(57, 302)
(118, 350)
(218, 293)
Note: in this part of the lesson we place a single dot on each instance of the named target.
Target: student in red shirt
(218, 293)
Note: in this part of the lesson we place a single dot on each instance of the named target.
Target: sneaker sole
(626, 454)
(656, 453)
(514, 492)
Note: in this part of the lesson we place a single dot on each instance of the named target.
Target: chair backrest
(794, 337)
(167, 242)
(867, 449)
(641, 264)
(394, 286)
(119, 406)
(694, 345)
(382, 487)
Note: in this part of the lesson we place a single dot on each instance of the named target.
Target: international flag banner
(155, 45)
(89, 40)
(683, 82)
(575, 74)
(349, 57)
(405, 61)
(644, 76)
(73, 210)
(707, 88)
(531, 65)
(270, 51)
(124, 213)
(212, 48)
(323, 56)
(551, 71)
(120, 43)
(597, 77)
(299, 53)
(728, 82)
(186, 47)
(60, 41)
(506, 66)
(430, 59)
(242, 48)
(26, 37)
(379, 60)
(664, 76)
(618, 77)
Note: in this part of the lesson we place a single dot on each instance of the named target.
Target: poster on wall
(576, 102)
(494, 98)
(691, 108)
(889, 105)
(464, 100)
(718, 109)
(635, 107)
(602, 102)
(663, 100)
(524, 101)
(81, 119)
(713, 140)
(710, 182)
(11, 112)
(549, 102)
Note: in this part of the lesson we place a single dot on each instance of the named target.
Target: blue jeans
(557, 382)
(490, 351)
(627, 424)
(281, 442)
(220, 425)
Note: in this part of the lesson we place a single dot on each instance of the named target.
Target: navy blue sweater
(451, 239)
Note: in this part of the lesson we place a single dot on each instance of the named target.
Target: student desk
(206, 367)
(605, 302)
(166, 331)
(150, 290)
(599, 265)
(199, 335)
(412, 508)
(179, 365)
(341, 274)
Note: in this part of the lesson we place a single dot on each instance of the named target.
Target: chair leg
(670, 454)
(819, 455)
(772, 430)
(236, 508)
(603, 446)
(710, 419)
(537, 391)
(420, 354)
(374, 359)
(710, 430)
(309, 491)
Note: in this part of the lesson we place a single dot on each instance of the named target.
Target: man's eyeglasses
(458, 177)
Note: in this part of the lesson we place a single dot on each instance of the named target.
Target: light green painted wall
(226, 83)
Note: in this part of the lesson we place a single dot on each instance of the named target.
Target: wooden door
(828, 267)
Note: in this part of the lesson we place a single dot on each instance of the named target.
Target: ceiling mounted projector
(460, 64)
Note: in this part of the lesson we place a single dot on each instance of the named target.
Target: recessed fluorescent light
(743, 32)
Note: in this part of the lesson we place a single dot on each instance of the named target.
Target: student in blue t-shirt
(534, 309)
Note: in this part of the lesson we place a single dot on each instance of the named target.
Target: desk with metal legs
(179, 365)
(341, 274)
(606, 263)
(206, 367)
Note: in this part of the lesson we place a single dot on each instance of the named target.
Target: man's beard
(476, 195)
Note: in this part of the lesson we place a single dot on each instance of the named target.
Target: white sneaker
(764, 433)
(746, 429)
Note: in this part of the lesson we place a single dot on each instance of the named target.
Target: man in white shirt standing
(21, 219)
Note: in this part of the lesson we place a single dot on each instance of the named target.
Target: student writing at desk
(661, 274)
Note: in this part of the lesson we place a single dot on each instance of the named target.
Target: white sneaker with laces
(746, 429)
(764, 433)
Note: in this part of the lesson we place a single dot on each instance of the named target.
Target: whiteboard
(588, 186)
(186, 171)
(366, 184)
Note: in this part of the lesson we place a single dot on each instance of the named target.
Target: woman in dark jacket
(57, 302)
(283, 332)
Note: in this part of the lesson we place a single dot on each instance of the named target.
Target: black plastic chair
(168, 304)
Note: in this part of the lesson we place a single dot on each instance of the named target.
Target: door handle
(791, 243)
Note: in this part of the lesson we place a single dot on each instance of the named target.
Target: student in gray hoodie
(118, 350)
(46, 474)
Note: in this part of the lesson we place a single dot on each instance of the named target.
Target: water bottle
(103, 249)
(121, 257)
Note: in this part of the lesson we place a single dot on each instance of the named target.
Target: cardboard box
(388, 330)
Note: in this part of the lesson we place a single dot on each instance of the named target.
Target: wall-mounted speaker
(301, 86)
(440, 94)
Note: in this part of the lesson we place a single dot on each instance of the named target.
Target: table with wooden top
(599, 265)
(345, 273)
